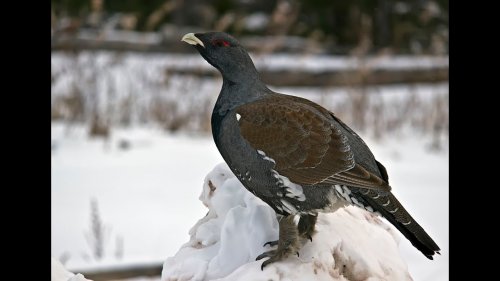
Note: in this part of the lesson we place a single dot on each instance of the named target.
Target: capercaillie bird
(295, 155)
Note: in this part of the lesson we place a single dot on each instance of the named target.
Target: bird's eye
(220, 43)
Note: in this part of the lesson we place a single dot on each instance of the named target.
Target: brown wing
(304, 143)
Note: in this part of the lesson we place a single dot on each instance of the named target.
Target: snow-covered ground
(350, 244)
(146, 182)
(148, 193)
(59, 273)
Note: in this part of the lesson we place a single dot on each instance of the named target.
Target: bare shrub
(103, 91)
(167, 114)
(99, 127)
(98, 233)
(97, 237)
(378, 120)
(125, 108)
(359, 102)
(70, 107)
(439, 122)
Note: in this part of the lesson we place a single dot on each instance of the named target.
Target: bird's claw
(264, 264)
(267, 254)
(287, 244)
(274, 256)
(271, 243)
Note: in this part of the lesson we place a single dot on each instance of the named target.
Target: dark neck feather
(234, 94)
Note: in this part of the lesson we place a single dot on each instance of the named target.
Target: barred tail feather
(389, 207)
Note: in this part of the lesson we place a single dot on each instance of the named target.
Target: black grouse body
(295, 155)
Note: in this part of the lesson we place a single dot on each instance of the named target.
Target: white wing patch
(238, 117)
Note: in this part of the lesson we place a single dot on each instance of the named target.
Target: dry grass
(184, 103)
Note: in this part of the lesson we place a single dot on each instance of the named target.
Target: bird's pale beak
(191, 39)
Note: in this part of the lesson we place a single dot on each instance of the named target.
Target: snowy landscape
(350, 244)
(148, 194)
(131, 197)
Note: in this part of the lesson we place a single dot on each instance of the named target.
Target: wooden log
(123, 272)
(330, 78)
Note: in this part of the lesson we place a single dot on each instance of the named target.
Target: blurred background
(131, 106)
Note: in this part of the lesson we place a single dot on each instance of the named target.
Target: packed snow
(148, 192)
(59, 273)
(350, 244)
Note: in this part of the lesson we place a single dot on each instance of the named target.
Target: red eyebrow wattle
(220, 42)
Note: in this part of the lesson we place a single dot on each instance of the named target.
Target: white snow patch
(231, 234)
(59, 273)
(147, 194)
(350, 244)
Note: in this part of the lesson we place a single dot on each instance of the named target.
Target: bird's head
(225, 53)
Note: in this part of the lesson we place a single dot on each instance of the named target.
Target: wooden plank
(123, 273)
(336, 78)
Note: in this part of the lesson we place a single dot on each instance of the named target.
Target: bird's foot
(274, 256)
(306, 226)
(307, 236)
(288, 243)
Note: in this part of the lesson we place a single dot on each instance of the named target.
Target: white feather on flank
(238, 117)
(266, 157)
(334, 202)
(288, 206)
(370, 209)
(293, 190)
(357, 203)
(344, 192)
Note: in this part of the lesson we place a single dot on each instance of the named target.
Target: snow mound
(350, 244)
(59, 273)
